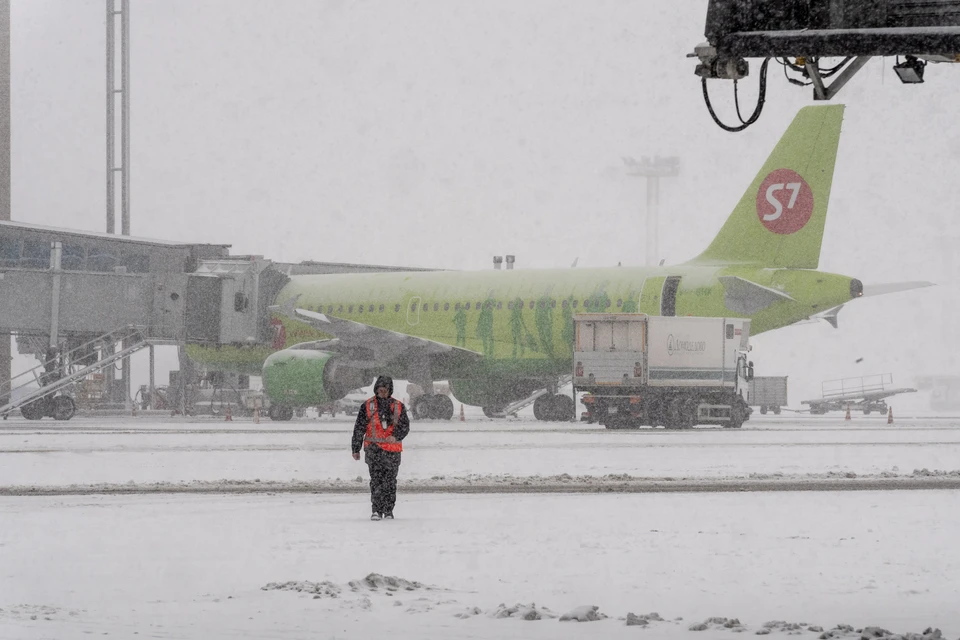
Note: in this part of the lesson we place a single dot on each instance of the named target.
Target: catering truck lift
(639, 370)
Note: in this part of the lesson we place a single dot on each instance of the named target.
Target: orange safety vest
(375, 431)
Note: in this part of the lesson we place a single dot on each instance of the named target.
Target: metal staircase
(45, 389)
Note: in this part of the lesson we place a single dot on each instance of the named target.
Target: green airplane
(499, 336)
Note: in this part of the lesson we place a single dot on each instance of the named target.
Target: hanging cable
(756, 112)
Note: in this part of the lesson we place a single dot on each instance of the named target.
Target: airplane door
(668, 298)
(413, 311)
(650, 295)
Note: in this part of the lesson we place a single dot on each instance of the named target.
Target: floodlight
(910, 71)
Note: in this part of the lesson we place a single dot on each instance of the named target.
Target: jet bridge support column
(5, 359)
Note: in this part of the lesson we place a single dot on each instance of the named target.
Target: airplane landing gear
(553, 408)
(280, 413)
(438, 407)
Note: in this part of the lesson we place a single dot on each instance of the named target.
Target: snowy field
(282, 564)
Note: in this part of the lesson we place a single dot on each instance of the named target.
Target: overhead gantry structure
(816, 41)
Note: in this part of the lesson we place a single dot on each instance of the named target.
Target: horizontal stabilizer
(894, 287)
(745, 297)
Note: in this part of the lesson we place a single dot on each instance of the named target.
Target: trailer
(639, 370)
(862, 393)
(768, 392)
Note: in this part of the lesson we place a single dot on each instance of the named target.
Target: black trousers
(384, 467)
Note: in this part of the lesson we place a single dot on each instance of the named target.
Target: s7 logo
(777, 205)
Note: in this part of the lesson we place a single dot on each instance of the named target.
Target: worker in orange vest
(382, 424)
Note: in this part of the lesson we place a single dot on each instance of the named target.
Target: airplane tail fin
(779, 220)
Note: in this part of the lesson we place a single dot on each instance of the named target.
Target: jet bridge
(74, 298)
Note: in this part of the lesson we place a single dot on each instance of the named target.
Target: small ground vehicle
(641, 370)
(768, 392)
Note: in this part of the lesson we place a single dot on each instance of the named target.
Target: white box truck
(676, 372)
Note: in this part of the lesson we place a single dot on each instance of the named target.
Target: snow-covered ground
(148, 451)
(196, 566)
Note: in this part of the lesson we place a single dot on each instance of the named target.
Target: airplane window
(396, 309)
(619, 302)
(607, 302)
(350, 310)
(457, 306)
(564, 304)
(531, 304)
(446, 306)
(575, 304)
(413, 306)
(381, 308)
(467, 306)
(553, 304)
(425, 306)
(477, 307)
(510, 305)
(371, 309)
(436, 306)
(330, 309)
(340, 309)
(360, 309)
(586, 304)
(499, 305)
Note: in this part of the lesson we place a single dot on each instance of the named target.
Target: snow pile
(870, 633)
(642, 620)
(323, 589)
(789, 628)
(389, 584)
(521, 611)
(733, 624)
(586, 613)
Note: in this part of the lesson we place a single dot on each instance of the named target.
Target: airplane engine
(307, 378)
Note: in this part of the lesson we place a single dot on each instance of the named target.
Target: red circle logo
(784, 202)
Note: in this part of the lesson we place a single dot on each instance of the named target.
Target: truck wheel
(763, 409)
(562, 408)
(738, 413)
(776, 411)
(679, 414)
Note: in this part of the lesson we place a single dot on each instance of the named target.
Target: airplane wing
(743, 296)
(365, 345)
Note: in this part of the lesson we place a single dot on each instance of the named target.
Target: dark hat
(384, 381)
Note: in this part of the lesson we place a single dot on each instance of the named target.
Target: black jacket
(400, 429)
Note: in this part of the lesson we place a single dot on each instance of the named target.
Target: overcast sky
(440, 133)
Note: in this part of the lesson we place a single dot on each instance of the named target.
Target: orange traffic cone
(848, 413)
(229, 416)
(462, 418)
(890, 416)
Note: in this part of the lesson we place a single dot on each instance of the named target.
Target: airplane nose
(856, 288)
